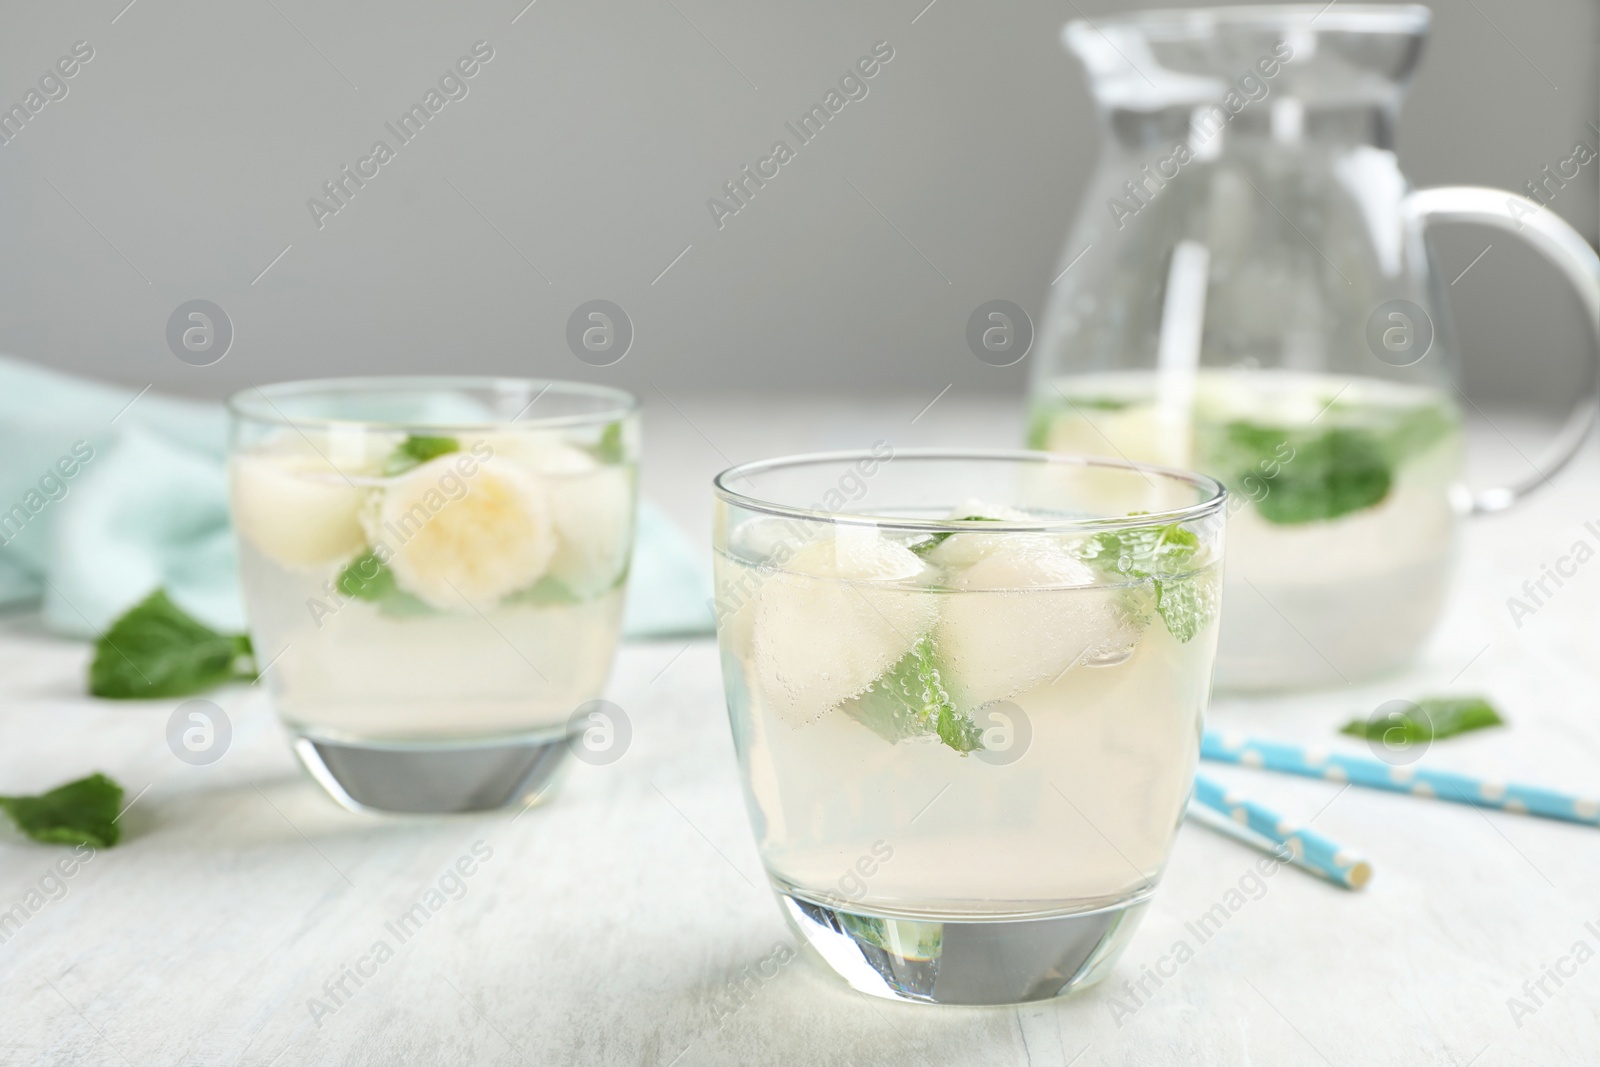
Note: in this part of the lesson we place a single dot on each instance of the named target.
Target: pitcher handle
(1564, 247)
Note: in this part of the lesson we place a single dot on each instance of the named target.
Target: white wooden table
(607, 926)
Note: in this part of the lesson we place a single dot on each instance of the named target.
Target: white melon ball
(296, 508)
(593, 515)
(1142, 433)
(591, 507)
(494, 539)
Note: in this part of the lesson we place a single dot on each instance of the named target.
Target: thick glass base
(434, 777)
(1008, 960)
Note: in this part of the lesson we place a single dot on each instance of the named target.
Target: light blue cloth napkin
(106, 495)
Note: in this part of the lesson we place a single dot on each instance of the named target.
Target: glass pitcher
(1247, 292)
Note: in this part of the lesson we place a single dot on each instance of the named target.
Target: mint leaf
(610, 448)
(1186, 604)
(1163, 556)
(924, 545)
(906, 700)
(1142, 551)
(956, 729)
(157, 650)
(906, 938)
(1316, 473)
(910, 700)
(1099, 403)
(1414, 430)
(1437, 718)
(1335, 472)
(368, 578)
(78, 813)
(416, 450)
(1040, 423)
(550, 590)
(1459, 715)
(545, 591)
(1401, 432)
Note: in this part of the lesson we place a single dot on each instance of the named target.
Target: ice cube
(973, 508)
(834, 619)
(1023, 614)
(769, 538)
(963, 549)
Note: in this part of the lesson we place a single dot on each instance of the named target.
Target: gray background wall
(579, 165)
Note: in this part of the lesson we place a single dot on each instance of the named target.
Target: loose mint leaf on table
(910, 700)
(416, 450)
(1436, 718)
(159, 650)
(368, 578)
(78, 813)
(1459, 715)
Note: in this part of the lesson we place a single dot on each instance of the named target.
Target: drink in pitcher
(1346, 495)
(1248, 277)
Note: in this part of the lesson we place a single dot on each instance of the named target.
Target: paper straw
(1408, 778)
(1307, 848)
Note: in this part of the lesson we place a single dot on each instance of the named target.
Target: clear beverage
(1249, 233)
(434, 603)
(1346, 498)
(966, 753)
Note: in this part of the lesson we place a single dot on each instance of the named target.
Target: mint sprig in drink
(1005, 691)
(433, 593)
(1345, 501)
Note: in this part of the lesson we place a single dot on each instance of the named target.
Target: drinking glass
(433, 572)
(966, 691)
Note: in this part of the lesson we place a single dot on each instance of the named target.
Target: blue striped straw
(1306, 847)
(1418, 781)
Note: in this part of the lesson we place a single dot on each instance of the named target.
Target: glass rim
(247, 404)
(1345, 18)
(1215, 493)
